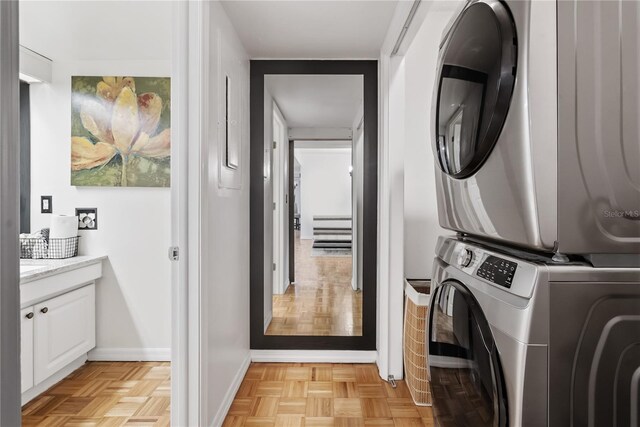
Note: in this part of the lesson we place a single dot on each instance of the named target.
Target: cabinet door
(64, 330)
(26, 347)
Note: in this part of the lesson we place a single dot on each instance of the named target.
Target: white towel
(63, 227)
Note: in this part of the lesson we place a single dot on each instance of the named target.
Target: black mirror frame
(369, 70)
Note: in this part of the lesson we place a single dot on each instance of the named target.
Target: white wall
(226, 286)
(133, 297)
(421, 228)
(325, 184)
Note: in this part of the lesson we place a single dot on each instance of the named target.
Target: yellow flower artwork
(121, 131)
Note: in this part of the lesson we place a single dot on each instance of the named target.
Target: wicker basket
(54, 248)
(416, 314)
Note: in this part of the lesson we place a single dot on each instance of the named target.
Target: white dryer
(515, 340)
(535, 120)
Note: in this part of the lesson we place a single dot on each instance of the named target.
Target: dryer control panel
(497, 270)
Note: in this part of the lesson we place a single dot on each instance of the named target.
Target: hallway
(322, 301)
(295, 394)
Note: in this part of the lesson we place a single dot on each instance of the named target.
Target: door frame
(10, 413)
(356, 178)
(369, 70)
(280, 199)
(292, 230)
(187, 79)
(10, 395)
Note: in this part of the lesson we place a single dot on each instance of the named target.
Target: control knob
(465, 257)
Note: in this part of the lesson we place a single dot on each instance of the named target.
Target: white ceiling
(93, 30)
(325, 101)
(315, 144)
(311, 28)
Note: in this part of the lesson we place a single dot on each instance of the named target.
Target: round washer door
(475, 83)
(467, 383)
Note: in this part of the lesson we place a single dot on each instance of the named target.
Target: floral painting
(120, 131)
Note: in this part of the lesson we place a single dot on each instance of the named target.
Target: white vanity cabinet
(58, 322)
(65, 329)
(26, 347)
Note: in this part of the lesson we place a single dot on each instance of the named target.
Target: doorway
(313, 173)
(320, 299)
(122, 325)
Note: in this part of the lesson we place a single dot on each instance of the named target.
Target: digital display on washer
(497, 270)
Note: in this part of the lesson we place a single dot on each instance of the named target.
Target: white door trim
(357, 190)
(276, 183)
(314, 356)
(391, 189)
(189, 35)
(280, 214)
(179, 164)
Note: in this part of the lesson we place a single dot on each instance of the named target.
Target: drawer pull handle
(29, 315)
(44, 310)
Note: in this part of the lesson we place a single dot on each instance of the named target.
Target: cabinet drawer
(64, 330)
(26, 347)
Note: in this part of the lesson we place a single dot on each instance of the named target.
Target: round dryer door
(467, 384)
(477, 71)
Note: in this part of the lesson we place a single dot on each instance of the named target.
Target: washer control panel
(497, 270)
(479, 267)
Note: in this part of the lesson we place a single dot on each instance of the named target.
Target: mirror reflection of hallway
(318, 121)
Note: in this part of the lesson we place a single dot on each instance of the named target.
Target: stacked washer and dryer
(535, 308)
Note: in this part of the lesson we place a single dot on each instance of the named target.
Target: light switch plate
(46, 204)
(87, 218)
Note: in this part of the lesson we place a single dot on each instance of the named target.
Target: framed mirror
(313, 203)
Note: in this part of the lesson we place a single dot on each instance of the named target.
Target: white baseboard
(314, 356)
(267, 322)
(231, 392)
(37, 390)
(130, 354)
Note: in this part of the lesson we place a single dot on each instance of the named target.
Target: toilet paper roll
(63, 226)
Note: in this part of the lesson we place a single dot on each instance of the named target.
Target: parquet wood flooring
(322, 301)
(106, 394)
(308, 395)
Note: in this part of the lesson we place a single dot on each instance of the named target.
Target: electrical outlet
(87, 218)
(46, 204)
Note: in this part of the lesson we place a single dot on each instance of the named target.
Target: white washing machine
(536, 112)
(514, 340)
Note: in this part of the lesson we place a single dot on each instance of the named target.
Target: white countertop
(40, 268)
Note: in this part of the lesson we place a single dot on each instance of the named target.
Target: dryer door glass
(475, 84)
(467, 384)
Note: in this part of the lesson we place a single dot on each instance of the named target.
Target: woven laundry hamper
(416, 314)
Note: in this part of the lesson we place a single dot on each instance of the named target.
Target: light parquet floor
(106, 394)
(322, 301)
(309, 395)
